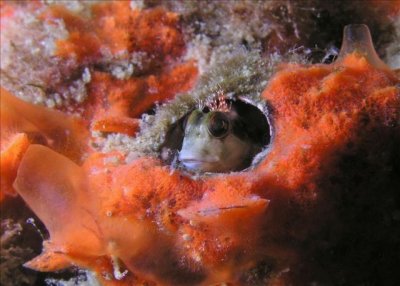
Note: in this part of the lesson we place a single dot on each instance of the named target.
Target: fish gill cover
(319, 203)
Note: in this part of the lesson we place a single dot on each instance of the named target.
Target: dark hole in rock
(258, 275)
(220, 137)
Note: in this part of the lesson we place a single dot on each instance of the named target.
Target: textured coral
(177, 230)
(320, 203)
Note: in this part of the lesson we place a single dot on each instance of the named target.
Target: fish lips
(196, 164)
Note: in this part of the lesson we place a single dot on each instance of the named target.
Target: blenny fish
(321, 206)
(223, 136)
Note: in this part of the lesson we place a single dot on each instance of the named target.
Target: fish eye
(206, 109)
(218, 125)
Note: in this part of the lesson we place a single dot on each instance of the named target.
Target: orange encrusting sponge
(170, 229)
(10, 159)
(162, 226)
(117, 28)
(113, 103)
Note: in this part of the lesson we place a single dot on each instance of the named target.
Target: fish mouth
(196, 164)
(195, 160)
